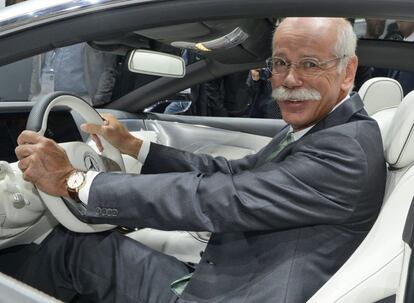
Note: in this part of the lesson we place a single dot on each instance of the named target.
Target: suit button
(98, 210)
(115, 212)
(104, 212)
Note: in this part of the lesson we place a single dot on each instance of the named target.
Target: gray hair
(345, 46)
(346, 42)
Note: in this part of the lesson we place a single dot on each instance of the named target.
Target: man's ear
(350, 72)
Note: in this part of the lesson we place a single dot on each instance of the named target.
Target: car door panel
(206, 139)
(257, 126)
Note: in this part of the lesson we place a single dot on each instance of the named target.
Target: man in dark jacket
(262, 104)
(282, 220)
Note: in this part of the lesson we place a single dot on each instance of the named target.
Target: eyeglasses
(306, 66)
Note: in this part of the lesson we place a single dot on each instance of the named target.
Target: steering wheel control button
(19, 201)
(91, 163)
(74, 183)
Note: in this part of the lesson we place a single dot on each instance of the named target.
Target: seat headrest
(380, 93)
(399, 141)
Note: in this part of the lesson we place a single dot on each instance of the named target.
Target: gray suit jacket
(280, 228)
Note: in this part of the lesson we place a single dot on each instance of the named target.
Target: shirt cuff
(84, 191)
(90, 175)
(143, 152)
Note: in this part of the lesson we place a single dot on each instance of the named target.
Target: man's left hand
(43, 163)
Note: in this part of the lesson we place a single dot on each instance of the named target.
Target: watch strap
(74, 194)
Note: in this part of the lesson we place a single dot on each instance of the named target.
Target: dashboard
(61, 127)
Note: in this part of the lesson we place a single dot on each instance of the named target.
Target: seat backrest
(374, 270)
(380, 93)
(384, 118)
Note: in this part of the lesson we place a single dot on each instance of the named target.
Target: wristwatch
(74, 183)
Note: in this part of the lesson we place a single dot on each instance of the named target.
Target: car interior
(380, 270)
(380, 93)
(381, 97)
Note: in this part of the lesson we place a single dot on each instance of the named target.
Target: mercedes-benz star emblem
(91, 163)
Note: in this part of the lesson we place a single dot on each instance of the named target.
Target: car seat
(381, 97)
(375, 269)
(380, 93)
(384, 118)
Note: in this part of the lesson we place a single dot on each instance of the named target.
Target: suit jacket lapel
(340, 115)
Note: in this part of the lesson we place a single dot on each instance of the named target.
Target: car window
(78, 69)
(233, 95)
(15, 81)
(384, 29)
(241, 94)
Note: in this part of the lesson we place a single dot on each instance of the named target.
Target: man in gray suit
(282, 220)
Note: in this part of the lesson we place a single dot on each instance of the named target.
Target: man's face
(295, 40)
(375, 27)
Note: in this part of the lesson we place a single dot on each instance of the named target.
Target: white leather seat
(384, 119)
(375, 270)
(183, 245)
(380, 93)
(381, 97)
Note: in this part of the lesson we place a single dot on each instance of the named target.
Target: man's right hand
(115, 133)
(255, 73)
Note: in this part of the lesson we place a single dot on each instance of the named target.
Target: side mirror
(156, 64)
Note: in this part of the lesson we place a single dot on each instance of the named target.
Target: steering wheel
(80, 154)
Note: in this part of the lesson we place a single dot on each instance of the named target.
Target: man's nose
(292, 78)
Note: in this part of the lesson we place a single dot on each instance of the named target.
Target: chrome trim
(26, 14)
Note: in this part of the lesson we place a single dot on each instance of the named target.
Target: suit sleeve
(164, 159)
(319, 183)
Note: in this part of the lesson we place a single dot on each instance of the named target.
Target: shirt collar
(300, 133)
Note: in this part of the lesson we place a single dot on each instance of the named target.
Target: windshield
(78, 69)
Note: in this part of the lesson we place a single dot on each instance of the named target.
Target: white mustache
(281, 94)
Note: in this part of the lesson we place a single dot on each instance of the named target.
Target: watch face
(75, 180)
